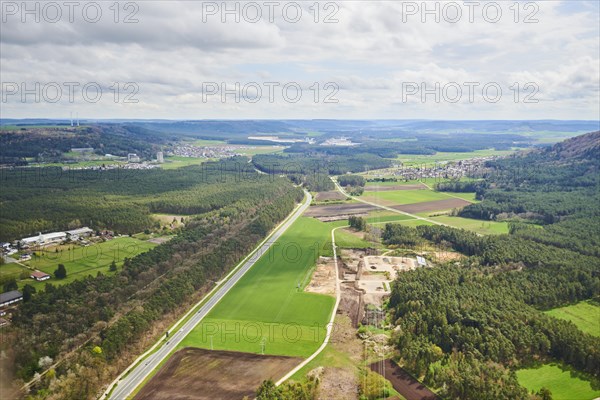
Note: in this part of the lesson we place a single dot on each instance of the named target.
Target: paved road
(139, 373)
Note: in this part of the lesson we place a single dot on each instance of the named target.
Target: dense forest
(466, 326)
(314, 168)
(48, 199)
(50, 142)
(98, 319)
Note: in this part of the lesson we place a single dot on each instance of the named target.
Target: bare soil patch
(336, 210)
(443, 256)
(202, 374)
(329, 196)
(402, 381)
(436, 205)
(340, 381)
(160, 240)
(323, 279)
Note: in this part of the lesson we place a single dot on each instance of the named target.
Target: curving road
(127, 384)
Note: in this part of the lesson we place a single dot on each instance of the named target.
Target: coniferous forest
(466, 326)
(94, 325)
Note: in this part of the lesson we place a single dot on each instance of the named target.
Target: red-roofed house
(40, 276)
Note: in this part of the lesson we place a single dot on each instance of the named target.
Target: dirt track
(213, 375)
(403, 382)
(436, 205)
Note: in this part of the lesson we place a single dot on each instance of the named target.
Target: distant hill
(583, 146)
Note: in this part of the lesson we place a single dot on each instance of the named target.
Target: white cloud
(369, 53)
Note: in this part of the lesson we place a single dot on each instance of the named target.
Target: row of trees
(114, 312)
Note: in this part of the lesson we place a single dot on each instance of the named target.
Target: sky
(305, 59)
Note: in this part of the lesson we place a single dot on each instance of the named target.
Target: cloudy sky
(344, 59)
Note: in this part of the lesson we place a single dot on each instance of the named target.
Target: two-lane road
(137, 375)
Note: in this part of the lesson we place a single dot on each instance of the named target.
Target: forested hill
(584, 146)
(466, 327)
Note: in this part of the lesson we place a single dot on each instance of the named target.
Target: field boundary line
(338, 297)
(337, 185)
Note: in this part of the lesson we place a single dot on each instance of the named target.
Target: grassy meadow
(82, 261)
(585, 315)
(268, 309)
(564, 384)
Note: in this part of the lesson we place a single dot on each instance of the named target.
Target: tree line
(114, 312)
(466, 326)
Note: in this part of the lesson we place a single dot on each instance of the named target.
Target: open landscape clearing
(402, 197)
(474, 225)
(564, 383)
(437, 205)
(585, 315)
(339, 211)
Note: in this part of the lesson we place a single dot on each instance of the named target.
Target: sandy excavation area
(377, 274)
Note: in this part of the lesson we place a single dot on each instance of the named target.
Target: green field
(208, 142)
(260, 150)
(475, 225)
(417, 159)
(348, 240)
(465, 196)
(12, 270)
(585, 315)
(414, 222)
(83, 261)
(385, 216)
(427, 181)
(266, 305)
(179, 161)
(563, 383)
(402, 197)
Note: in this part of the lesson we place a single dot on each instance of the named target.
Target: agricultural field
(474, 225)
(351, 240)
(82, 261)
(224, 374)
(585, 315)
(418, 159)
(208, 142)
(415, 222)
(253, 150)
(470, 197)
(402, 197)
(268, 311)
(422, 182)
(174, 162)
(565, 384)
(385, 216)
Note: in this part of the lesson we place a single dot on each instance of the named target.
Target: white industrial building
(76, 234)
(44, 238)
(56, 237)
